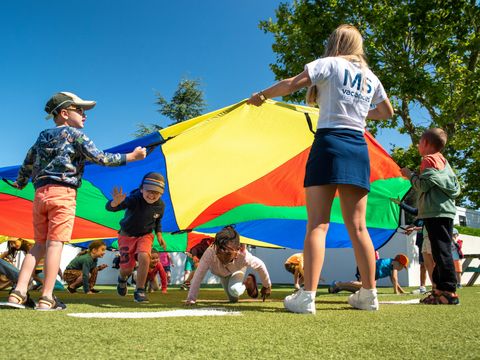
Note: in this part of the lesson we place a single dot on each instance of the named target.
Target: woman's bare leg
(319, 204)
(353, 201)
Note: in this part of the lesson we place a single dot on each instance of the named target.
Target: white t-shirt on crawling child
(343, 97)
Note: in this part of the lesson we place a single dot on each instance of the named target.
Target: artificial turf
(263, 331)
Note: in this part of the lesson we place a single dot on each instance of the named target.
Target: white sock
(370, 291)
(311, 294)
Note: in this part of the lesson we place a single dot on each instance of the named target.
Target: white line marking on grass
(157, 314)
(402, 302)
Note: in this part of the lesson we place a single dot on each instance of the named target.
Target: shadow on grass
(108, 300)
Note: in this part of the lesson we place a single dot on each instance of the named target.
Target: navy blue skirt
(338, 156)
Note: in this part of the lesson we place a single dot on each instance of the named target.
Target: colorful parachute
(239, 165)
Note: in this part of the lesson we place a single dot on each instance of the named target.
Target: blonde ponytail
(311, 97)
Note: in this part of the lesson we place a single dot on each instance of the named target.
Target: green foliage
(426, 54)
(187, 102)
(143, 129)
(408, 157)
(465, 230)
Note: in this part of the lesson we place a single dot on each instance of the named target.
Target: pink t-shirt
(164, 259)
(210, 261)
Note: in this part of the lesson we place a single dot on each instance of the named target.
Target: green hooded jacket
(436, 191)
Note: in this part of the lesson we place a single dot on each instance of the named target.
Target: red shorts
(130, 246)
(54, 213)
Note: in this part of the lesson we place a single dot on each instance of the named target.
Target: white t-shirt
(343, 98)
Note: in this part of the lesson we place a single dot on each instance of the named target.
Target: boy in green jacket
(437, 187)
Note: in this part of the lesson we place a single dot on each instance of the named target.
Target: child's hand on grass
(266, 292)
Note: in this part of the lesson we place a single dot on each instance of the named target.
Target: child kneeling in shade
(227, 259)
(83, 269)
(383, 268)
(294, 265)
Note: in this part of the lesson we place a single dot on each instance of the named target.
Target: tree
(426, 54)
(187, 102)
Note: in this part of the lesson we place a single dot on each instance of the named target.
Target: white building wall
(340, 263)
(472, 217)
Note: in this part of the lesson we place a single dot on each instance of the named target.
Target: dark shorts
(338, 156)
(166, 268)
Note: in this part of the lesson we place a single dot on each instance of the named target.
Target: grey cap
(64, 99)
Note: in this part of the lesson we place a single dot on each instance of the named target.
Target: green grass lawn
(263, 331)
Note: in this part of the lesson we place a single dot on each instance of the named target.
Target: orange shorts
(130, 246)
(54, 213)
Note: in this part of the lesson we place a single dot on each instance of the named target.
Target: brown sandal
(22, 301)
(53, 304)
(438, 297)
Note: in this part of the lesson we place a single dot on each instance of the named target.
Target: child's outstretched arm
(158, 229)
(161, 241)
(139, 153)
(92, 153)
(203, 267)
(410, 209)
(26, 170)
(259, 266)
(421, 183)
(296, 279)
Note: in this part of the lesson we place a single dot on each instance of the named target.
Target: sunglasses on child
(78, 110)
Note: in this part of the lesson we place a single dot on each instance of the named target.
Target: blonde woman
(343, 87)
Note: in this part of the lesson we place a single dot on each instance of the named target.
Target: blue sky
(120, 53)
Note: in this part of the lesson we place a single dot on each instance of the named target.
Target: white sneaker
(420, 290)
(292, 296)
(364, 299)
(301, 302)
